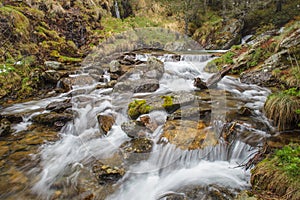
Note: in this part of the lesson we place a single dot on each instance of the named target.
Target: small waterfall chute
(117, 10)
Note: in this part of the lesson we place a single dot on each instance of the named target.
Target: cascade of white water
(167, 168)
(117, 10)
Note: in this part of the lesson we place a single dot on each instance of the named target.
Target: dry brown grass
(281, 108)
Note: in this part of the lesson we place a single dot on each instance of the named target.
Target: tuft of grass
(282, 108)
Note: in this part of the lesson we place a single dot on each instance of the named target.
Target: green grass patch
(288, 160)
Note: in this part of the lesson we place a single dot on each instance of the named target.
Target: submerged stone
(106, 174)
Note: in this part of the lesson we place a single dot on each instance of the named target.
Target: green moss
(21, 24)
(66, 59)
(137, 108)
(256, 57)
(288, 160)
(46, 33)
(168, 101)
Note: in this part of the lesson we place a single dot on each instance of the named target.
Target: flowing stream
(167, 172)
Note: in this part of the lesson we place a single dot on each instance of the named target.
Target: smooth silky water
(167, 169)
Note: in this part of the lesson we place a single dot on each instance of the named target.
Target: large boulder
(169, 103)
(188, 135)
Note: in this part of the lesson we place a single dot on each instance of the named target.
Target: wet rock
(105, 123)
(68, 82)
(202, 112)
(172, 101)
(96, 71)
(59, 106)
(5, 127)
(201, 192)
(154, 69)
(54, 65)
(98, 78)
(51, 76)
(243, 131)
(245, 111)
(133, 129)
(198, 83)
(169, 103)
(148, 85)
(188, 135)
(114, 66)
(281, 139)
(13, 118)
(110, 84)
(146, 121)
(106, 174)
(137, 86)
(52, 118)
(138, 145)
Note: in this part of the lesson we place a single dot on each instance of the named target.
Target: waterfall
(117, 10)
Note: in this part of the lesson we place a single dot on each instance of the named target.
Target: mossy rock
(137, 108)
(169, 104)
